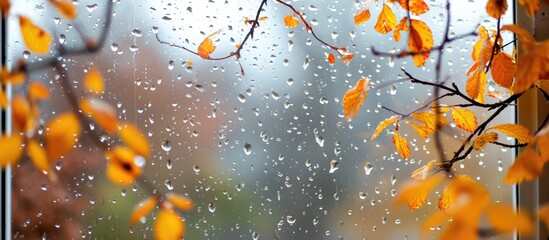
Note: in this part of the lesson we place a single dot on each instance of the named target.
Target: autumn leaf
(496, 8)
(401, 145)
(531, 6)
(430, 119)
(415, 193)
(362, 16)
(416, 6)
(132, 137)
(66, 8)
(464, 119)
(21, 114)
(503, 69)
(354, 98)
(423, 172)
(38, 92)
(14, 78)
(420, 39)
(142, 209)
(527, 166)
(421, 129)
(101, 112)
(386, 20)
(38, 156)
(483, 139)
(543, 146)
(345, 55)
(476, 81)
(93, 81)
(36, 39)
(122, 167)
(290, 21)
(503, 219)
(383, 124)
(61, 134)
(10, 149)
(517, 131)
(168, 226)
(5, 7)
(3, 100)
(331, 59)
(206, 47)
(464, 199)
(543, 214)
(181, 202)
(401, 26)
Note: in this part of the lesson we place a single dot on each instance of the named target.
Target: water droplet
(169, 164)
(362, 195)
(26, 54)
(91, 7)
(368, 168)
(290, 219)
(211, 207)
(169, 184)
(171, 65)
(166, 145)
(255, 235)
(391, 61)
(196, 169)
(247, 148)
(392, 89)
(137, 33)
(334, 165)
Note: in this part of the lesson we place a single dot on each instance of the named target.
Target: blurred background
(265, 155)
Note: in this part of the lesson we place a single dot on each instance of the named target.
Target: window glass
(261, 144)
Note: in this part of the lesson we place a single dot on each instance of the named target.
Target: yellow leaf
(423, 172)
(416, 6)
(496, 8)
(346, 56)
(122, 167)
(503, 219)
(386, 20)
(464, 199)
(290, 21)
(420, 39)
(15, 78)
(527, 166)
(464, 119)
(483, 139)
(21, 114)
(362, 16)
(421, 129)
(354, 98)
(401, 26)
(460, 230)
(66, 8)
(543, 214)
(401, 145)
(10, 149)
(428, 118)
(93, 82)
(36, 39)
(182, 202)
(503, 69)
(478, 47)
(414, 193)
(514, 130)
(383, 124)
(101, 112)
(476, 85)
(168, 226)
(38, 91)
(331, 59)
(134, 139)
(61, 134)
(38, 155)
(531, 6)
(206, 47)
(142, 209)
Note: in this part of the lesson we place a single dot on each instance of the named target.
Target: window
(260, 143)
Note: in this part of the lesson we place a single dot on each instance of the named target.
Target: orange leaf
(21, 114)
(182, 202)
(531, 6)
(464, 119)
(543, 214)
(5, 7)
(496, 8)
(354, 98)
(38, 91)
(514, 130)
(543, 85)
(142, 209)
(423, 172)
(346, 57)
(428, 118)
(421, 129)
(476, 85)
(10, 149)
(290, 21)
(415, 192)
(464, 199)
(15, 78)
(3, 99)
(362, 16)
(543, 146)
(383, 124)
(122, 167)
(527, 166)
(36, 39)
(331, 59)
(168, 226)
(38, 156)
(503, 219)
(401, 145)
(401, 26)
(483, 139)
(420, 39)
(134, 139)
(206, 47)
(101, 112)
(93, 81)
(386, 20)
(416, 6)
(61, 134)
(503, 69)
(66, 8)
